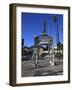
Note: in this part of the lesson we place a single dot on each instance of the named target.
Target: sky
(32, 24)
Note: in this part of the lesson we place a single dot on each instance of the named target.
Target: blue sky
(32, 24)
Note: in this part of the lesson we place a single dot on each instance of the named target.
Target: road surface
(43, 68)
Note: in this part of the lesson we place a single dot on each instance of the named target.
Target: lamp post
(57, 34)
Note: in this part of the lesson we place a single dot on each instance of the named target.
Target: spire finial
(44, 26)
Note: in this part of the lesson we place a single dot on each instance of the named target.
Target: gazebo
(44, 41)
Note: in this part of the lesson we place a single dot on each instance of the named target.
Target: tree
(60, 48)
(36, 40)
(59, 45)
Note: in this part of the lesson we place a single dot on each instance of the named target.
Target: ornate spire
(44, 26)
